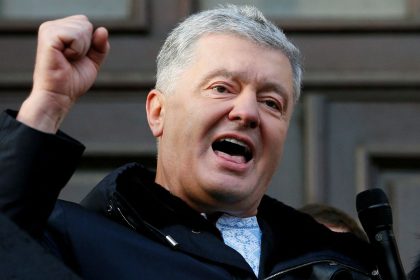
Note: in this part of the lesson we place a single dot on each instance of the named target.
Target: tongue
(233, 158)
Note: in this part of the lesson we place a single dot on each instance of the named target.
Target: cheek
(207, 117)
(274, 143)
(184, 131)
(173, 137)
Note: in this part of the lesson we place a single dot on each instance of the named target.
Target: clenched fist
(69, 55)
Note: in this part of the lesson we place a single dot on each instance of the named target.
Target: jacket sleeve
(34, 167)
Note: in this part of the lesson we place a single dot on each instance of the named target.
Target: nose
(245, 110)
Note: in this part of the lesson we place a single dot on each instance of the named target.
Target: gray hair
(248, 22)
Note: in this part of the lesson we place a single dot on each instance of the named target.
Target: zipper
(330, 262)
(116, 207)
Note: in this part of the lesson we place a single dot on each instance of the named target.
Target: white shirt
(243, 235)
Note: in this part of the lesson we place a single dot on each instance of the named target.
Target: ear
(155, 108)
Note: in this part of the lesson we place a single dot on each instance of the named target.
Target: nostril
(244, 119)
(253, 124)
(246, 123)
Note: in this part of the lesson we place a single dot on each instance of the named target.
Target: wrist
(44, 111)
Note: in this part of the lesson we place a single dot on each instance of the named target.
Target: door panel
(369, 144)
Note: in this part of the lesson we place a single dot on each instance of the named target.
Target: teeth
(235, 141)
(233, 147)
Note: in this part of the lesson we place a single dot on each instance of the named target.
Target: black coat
(128, 227)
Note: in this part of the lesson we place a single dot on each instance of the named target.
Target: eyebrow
(218, 72)
(267, 86)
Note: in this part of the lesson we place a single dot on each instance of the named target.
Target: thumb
(100, 47)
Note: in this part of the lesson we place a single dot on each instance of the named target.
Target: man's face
(221, 132)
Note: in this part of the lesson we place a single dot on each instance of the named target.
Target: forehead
(237, 57)
(227, 42)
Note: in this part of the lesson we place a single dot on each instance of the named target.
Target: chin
(229, 193)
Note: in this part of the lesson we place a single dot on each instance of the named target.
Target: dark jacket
(415, 273)
(128, 227)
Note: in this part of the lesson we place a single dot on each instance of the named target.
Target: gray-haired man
(226, 87)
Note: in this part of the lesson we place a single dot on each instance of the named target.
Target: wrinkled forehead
(237, 56)
(234, 34)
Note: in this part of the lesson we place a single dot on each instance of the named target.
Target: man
(227, 83)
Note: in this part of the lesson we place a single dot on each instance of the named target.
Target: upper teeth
(235, 141)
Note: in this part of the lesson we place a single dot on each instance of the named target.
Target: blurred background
(356, 126)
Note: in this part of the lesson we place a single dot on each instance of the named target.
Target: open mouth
(234, 148)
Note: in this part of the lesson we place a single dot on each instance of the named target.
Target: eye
(220, 89)
(272, 104)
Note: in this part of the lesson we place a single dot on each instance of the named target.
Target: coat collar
(146, 202)
(289, 237)
(300, 239)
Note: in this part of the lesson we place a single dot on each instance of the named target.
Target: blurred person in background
(334, 219)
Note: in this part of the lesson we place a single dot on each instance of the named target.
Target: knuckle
(44, 26)
(81, 17)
